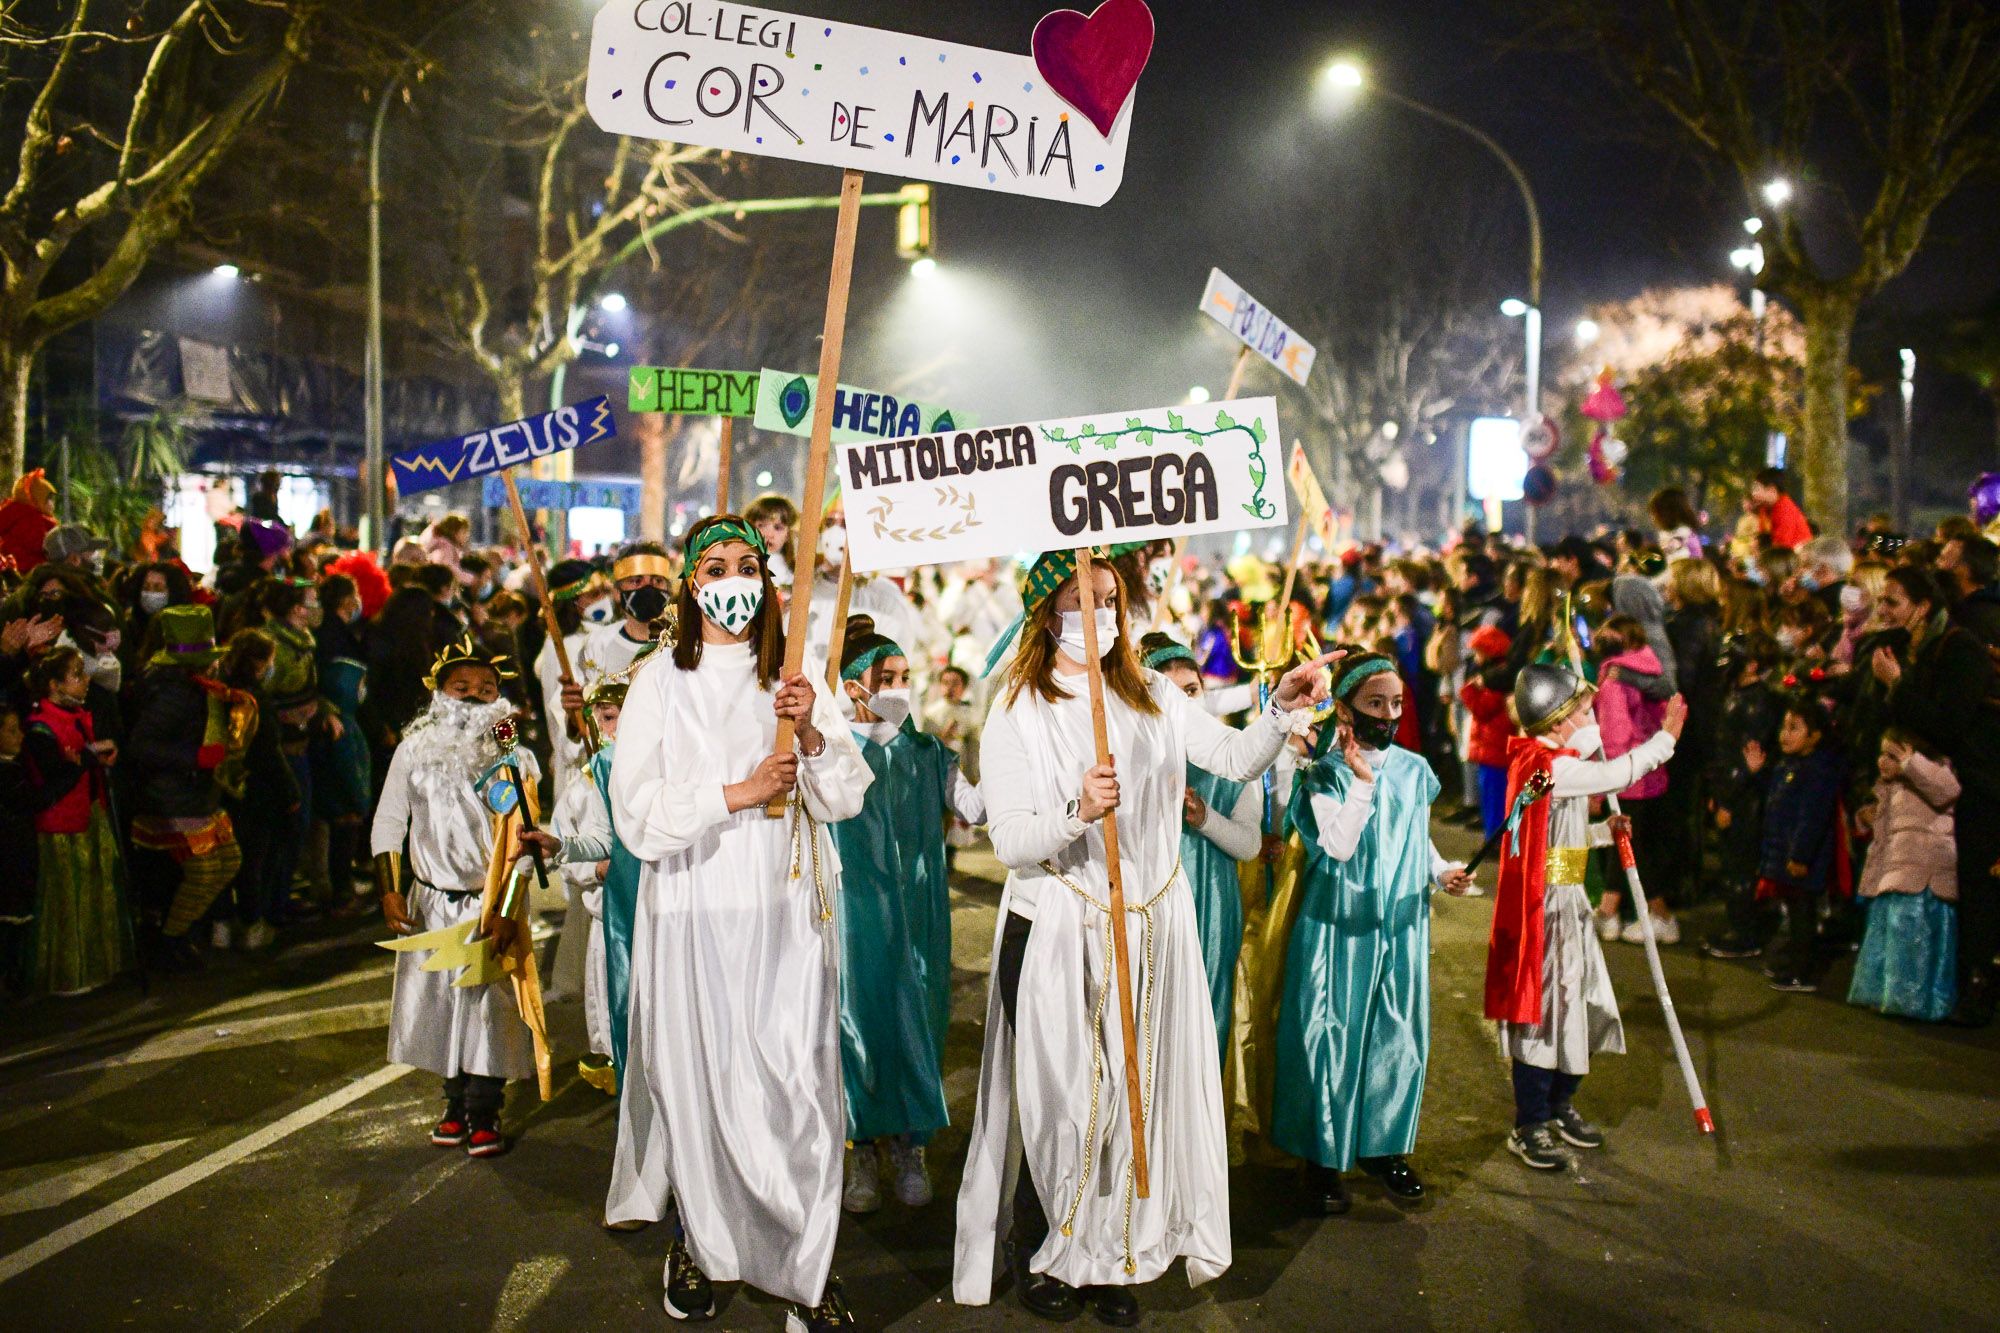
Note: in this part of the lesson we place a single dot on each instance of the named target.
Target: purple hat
(266, 537)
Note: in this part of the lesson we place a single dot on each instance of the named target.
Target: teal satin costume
(895, 941)
(1218, 900)
(620, 906)
(1354, 1024)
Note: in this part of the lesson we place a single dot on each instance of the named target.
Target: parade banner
(1115, 477)
(535, 494)
(785, 404)
(772, 84)
(700, 393)
(497, 448)
(1314, 511)
(1256, 327)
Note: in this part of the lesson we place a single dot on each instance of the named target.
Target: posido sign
(783, 85)
(967, 494)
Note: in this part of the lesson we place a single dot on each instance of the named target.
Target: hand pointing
(1307, 685)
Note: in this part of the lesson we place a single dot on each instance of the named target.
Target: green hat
(187, 637)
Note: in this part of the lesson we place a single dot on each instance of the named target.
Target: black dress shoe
(1044, 1296)
(1116, 1306)
(1396, 1176)
(1326, 1192)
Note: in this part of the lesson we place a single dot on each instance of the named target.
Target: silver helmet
(1545, 695)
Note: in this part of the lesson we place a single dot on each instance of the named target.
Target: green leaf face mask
(730, 603)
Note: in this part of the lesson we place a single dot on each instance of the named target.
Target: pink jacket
(1914, 848)
(1628, 719)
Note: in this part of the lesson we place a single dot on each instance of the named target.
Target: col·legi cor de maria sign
(1052, 124)
(1081, 481)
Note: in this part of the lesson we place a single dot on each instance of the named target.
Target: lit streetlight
(1198, 394)
(1587, 332)
(924, 268)
(1753, 225)
(1777, 192)
(1345, 75)
(226, 271)
(612, 303)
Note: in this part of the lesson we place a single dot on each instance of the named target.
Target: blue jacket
(1801, 818)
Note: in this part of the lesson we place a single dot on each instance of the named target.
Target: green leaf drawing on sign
(1174, 421)
(1223, 421)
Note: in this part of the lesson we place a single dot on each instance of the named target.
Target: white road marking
(527, 1287)
(183, 1042)
(53, 1191)
(49, 1246)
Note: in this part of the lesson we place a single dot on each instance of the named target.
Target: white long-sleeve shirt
(1238, 831)
(1342, 822)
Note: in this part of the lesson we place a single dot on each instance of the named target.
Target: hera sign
(500, 447)
(785, 405)
(1256, 327)
(1128, 476)
(773, 84)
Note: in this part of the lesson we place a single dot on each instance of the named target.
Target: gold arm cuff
(388, 872)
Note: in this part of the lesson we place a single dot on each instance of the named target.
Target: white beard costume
(1055, 1075)
(428, 794)
(732, 1100)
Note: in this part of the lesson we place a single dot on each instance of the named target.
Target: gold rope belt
(1144, 911)
(805, 829)
(1568, 865)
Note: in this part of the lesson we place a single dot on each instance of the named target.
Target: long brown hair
(1034, 665)
(767, 628)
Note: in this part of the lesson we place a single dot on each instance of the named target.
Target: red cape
(1514, 950)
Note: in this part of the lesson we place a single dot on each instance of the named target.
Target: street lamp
(1777, 192)
(1587, 332)
(1198, 394)
(1345, 75)
(612, 303)
(924, 268)
(226, 271)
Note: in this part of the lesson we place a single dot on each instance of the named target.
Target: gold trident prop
(1276, 644)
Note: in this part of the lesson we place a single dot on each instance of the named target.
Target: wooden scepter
(1135, 1109)
(813, 500)
(579, 719)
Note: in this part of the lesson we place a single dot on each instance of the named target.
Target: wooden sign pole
(837, 640)
(813, 500)
(1237, 372)
(723, 457)
(1291, 577)
(580, 721)
(1135, 1109)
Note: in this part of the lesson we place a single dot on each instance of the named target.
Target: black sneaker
(1731, 947)
(1116, 1306)
(1574, 1130)
(1326, 1192)
(690, 1295)
(830, 1315)
(1396, 1176)
(1797, 985)
(1537, 1148)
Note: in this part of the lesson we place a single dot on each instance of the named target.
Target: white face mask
(1789, 640)
(892, 706)
(1853, 599)
(833, 545)
(730, 603)
(1586, 741)
(1157, 575)
(601, 612)
(152, 603)
(1070, 638)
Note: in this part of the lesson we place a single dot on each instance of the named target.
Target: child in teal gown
(1221, 826)
(1354, 1021)
(895, 927)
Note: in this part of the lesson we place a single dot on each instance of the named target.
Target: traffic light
(914, 240)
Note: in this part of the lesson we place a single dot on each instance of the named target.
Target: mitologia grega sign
(1125, 476)
(773, 84)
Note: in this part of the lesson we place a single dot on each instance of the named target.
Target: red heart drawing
(1094, 62)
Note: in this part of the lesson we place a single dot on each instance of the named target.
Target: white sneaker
(220, 937)
(259, 936)
(1608, 928)
(913, 1178)
(1666, 930)
(863, 1192)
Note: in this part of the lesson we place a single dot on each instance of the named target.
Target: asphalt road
(232, 1153)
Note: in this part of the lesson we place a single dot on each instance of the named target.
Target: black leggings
(1031, 1222)
(1659, 845)
(476, 1096)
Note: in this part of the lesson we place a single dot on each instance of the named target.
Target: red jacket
(64, 811)
(1786, 523)
(22, 527)
(1492, 725)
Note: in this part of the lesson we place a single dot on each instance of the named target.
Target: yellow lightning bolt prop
(426, 463)
(459, 946)
(603, 425)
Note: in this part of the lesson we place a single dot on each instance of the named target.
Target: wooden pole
(1236, 373)
(579, 720)
(813, 500)
(724, 455)
(1291, 577)
(1135, 1108)
(837, 640)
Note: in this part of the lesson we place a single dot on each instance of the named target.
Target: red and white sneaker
(487, 1141)
(450, 1132)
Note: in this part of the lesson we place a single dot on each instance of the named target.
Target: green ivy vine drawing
(1141, 433)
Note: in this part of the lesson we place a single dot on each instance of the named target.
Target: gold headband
(632, 566)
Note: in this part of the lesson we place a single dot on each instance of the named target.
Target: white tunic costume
(429, 795)
(584, 824)
(1060, 1070)
(732, 1101)
(1579, 1009)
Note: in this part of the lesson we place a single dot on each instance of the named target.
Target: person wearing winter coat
(1627, 718)
(1909, 957)
(1485, 698)
(1738, 781)
(1801, 852)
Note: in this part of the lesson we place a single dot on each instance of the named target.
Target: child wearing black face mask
(642, 574)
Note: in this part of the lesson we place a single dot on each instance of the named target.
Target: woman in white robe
(1054, 1057)
(732, 1097)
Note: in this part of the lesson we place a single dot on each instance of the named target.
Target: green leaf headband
(858, 668)
(1172, 652)
(1352, 680)
(726, 530)
(1050, 571)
